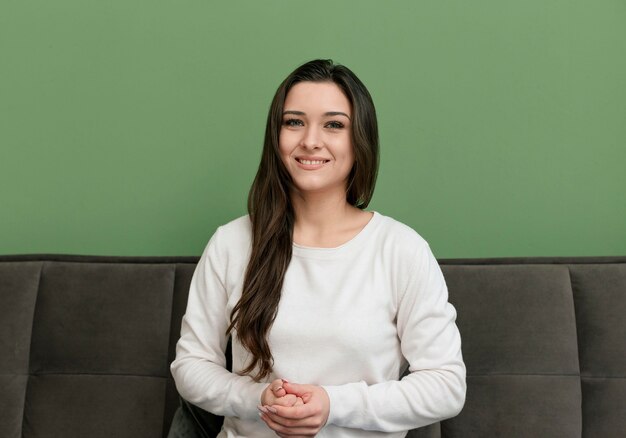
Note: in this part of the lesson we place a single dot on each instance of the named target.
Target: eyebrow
(329, 113)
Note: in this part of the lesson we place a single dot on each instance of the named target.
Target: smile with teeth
(303, 161)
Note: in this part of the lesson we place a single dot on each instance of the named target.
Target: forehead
(317, 97)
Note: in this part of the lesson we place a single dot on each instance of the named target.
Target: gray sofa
(86, 342)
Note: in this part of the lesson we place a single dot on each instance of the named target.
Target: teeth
(312, 161)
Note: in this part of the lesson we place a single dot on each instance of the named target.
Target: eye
(334, 125)
(293, 123)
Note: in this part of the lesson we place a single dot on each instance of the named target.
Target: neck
(325, 220)
(320, 211)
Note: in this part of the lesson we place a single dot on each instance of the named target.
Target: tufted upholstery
(85, 344)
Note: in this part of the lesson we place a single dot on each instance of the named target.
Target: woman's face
(315, 141)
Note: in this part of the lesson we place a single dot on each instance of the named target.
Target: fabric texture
(519, 342)
(183, 426)
(190, 422)
(525, 376)
(350, 319)
(600, 297)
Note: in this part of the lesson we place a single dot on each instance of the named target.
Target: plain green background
(135, 127)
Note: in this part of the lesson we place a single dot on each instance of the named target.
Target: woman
(316, 290)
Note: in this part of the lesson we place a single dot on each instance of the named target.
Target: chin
(305, 189)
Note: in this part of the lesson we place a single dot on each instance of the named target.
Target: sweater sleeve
(435, 387)
(199, 369)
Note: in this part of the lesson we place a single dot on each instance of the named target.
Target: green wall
(134, 127)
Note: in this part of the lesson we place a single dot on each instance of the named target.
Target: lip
(311, 166)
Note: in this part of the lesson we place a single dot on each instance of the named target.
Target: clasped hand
(293, 410)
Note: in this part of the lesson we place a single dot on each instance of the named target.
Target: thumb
(306, 397)
(294, 388)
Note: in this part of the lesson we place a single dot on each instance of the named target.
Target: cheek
(350, 153)
(285, 142)
(285, 152)
(282, 146)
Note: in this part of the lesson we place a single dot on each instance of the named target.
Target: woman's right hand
(275, 394)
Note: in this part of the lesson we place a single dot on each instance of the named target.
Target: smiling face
(315, 141)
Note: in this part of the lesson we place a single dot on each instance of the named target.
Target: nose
(312, 138)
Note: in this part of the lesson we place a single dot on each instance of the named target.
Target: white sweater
(350, 319)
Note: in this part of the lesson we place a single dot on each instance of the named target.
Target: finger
(287, 400)
(298, 402)
(282, 435)
(294, 388)
(279, 391)
(288, 431)
(277, 388)
(308, 422)
(294, 412)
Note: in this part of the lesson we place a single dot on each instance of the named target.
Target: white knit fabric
(350, 319)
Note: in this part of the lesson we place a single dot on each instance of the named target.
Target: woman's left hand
(304, 420)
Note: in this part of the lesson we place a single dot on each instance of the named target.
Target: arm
(430, 341)
(434, 389)
(199, 369)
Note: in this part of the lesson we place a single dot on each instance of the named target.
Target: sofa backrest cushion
(600, 300)
(86, 342)
(519, 341)
(86, 346)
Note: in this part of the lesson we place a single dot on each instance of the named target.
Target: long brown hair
(272, 214)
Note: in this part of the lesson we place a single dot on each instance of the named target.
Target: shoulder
(232, 238)
(236, 231)
(405, 255)
(399, 236)
(403, 248)
(414, 263)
